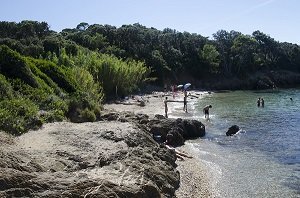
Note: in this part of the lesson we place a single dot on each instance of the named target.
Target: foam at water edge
(212, 170)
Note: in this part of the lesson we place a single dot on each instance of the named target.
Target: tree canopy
(69, 73)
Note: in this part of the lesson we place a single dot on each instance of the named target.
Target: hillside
(48, 76)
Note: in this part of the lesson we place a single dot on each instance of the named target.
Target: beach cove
(262, 160)
(110, 158)
(115, 158)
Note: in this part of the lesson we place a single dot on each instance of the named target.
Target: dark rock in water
(232, 130)
(191, 128)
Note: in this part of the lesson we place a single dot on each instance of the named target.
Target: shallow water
(263, 160)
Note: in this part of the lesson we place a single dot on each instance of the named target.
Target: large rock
(103, 159)
(179, 128)
(232, 130)
(160, 126)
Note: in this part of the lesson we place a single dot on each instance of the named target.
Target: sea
(263, 159)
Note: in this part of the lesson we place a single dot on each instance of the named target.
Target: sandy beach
(194, 181)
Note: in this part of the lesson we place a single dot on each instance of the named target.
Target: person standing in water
(258, 102)
(206, 111)
(262, 102)
(166, 107)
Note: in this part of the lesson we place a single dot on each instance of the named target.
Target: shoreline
(194, 181)
(116, 156)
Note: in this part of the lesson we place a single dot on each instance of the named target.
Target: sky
(279, 19)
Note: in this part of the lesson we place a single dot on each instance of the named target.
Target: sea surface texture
(263, 159)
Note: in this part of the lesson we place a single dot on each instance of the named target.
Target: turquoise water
(263, 160)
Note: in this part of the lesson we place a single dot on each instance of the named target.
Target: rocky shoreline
(115, 157)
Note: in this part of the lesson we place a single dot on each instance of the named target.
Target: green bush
(18, 116)
(13, 65)
(79, 104)
(116, 76)
(45, 81)
(87, 115)
(53, 115)
(58, 74)
(6, 90)
(87, 84)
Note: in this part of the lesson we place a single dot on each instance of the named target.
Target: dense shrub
(13, 65)
(88, 115)
(55, 115)
(82, 108)
(6, 90)
(118, 77)
(58, 74)
(18, 116)
(13, 44)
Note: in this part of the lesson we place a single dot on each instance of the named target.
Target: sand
(194, 181)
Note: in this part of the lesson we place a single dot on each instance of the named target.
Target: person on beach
(185, 101)
(206, 111)
(258, 102)
(166, 107)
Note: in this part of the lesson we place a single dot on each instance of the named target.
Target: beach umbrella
(179, 86)
(186, 85)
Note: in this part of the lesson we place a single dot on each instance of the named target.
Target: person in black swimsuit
(206, 111)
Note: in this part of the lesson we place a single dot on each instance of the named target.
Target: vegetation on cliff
(57, 75)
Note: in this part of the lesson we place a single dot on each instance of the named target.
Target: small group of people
(185, 95)
(184, 103)
(260, 102)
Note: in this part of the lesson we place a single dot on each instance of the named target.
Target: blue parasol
(186, 85)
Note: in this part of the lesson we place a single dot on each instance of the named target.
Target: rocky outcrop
(101, 159)
(115, 157)
(160, 126)
(179, 128)
(232, 130)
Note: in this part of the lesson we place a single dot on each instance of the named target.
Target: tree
(82, 26)
(224, 42)
(210, 56)
(268, 49)
(244, 53)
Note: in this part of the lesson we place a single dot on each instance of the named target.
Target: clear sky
(278, 18)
